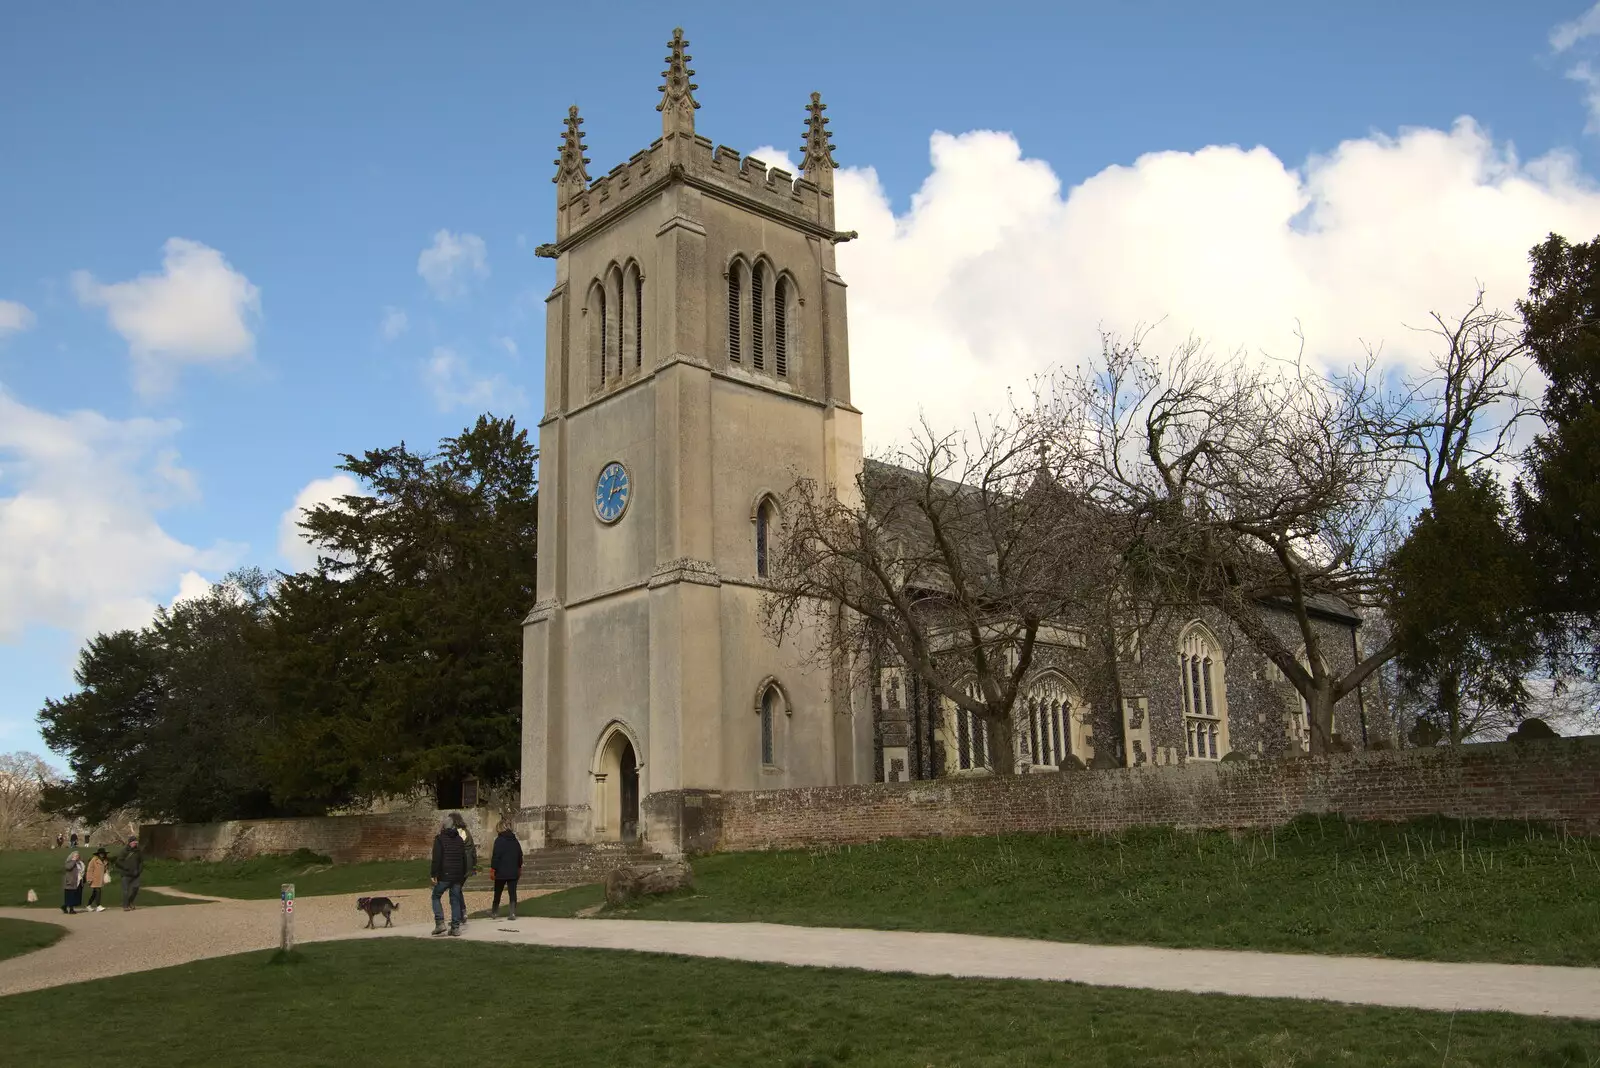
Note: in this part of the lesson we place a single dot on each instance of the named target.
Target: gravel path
(1525, 989)
(114, 942)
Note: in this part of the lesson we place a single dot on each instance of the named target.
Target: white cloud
(191, 586)
(80, 544)
(14, 318)
(774, 158)
(509, 344)
(197, 310)
(292, 543)
(451, 262)
(996, 274)
(1581, 28)
(395, 322)
(454, 384)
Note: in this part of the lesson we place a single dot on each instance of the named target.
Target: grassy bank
(39, 870)
(263, 877)
(22, 936)
(1434, 889)
(402, 1001)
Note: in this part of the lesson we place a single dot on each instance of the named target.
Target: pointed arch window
(638, 319)
(758, 334)
(769, 754)
(780, 328)
(601, 329)
(735, 310)
(764, 512)
(972, 737)
(1047, 740)
(614, 328)
(1203, 684)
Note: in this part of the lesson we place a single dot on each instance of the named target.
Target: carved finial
(570, 167)
(678, 104)
(817, 162)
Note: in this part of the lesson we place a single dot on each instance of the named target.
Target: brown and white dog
(377, 906)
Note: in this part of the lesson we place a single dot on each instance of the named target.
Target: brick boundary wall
(1556, 781)
(404, 835)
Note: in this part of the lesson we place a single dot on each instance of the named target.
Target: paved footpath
(1527, 989)
(114, 942)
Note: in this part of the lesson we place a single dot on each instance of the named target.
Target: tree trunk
(1319, 717)
(1002, 745)
(1450, 703)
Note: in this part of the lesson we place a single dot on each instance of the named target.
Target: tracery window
(1049, 708)
(1203, 684)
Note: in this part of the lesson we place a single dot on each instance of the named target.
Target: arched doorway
(616, 787)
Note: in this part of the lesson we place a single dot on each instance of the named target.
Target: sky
(238, 241)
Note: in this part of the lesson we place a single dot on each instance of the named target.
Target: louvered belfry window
(638, 321)
(605, 335)
(758, 356)
(780, 329)
(735, 299)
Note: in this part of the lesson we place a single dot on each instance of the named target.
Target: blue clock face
(611, 492)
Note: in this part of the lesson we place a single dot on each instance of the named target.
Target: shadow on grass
(401, 1000)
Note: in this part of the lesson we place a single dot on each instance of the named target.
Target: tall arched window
(638, 321)
(632, 333)
(764, 513)
(614, 331)
(768, 748)
(780, 328)
(600, 328)
(758, 335)
(1049, 706)
(1203, 683)
(735, 310)
(972, 736)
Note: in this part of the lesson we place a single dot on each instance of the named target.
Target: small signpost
(287, 943)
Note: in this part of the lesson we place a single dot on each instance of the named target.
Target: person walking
(459, 822)
(98, 876)
(72, 884)
(448, 873)
(505, 868)
(130, 865)
(73, 838)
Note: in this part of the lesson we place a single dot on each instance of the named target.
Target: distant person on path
(98, 876)
(130, 865)
(505, 868)
(73, 838)
(59, 839)
(72, 884)
(448, 873)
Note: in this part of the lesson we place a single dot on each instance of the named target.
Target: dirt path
(114, 942)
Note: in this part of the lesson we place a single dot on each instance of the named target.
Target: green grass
(402, 1001)
(1435, 889)
(39, 870)
(24, 936)
(263, 877)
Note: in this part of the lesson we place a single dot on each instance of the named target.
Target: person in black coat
(505, 867)
(449, 873)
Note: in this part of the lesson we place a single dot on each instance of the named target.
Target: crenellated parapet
(682, 155)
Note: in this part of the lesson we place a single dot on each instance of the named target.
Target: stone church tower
(696, 364)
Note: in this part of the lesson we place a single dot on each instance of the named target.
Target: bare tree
(951, 556)
(22, 780)
(1462, 584)
(1258, 490)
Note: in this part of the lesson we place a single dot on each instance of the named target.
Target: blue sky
(306, 156)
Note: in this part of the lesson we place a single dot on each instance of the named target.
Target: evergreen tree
(397, 663)
(1559, 500)
(167, 718)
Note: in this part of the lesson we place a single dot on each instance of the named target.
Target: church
(697, 364)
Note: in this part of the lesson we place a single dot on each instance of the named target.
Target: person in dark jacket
(505, 868)
(449, 872)
(130, 865)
